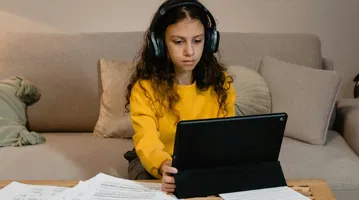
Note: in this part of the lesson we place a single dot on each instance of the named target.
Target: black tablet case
(252, 170)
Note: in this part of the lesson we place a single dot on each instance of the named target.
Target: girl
(177, 77)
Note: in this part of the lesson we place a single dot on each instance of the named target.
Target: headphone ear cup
(215, 41)
(218, 38)
(157, 45)
(212, 41)
(161, 48)
(154, 44)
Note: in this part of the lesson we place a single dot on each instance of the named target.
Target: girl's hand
(168, 181)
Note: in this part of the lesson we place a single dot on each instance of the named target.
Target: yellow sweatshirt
(154, 135)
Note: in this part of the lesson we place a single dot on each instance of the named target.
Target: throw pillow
(113, 121)
(252, 92)
(307, 95)
(16, 93)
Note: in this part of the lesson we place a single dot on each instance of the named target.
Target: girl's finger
(170, 170)
(169, 186)
(168, 179)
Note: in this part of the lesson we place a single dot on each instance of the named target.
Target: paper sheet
(282, 193)
(107, 187)
(77, 191)
(100, 187)
(20, 191)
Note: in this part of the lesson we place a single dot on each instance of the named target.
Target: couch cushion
(113, 121)
(307, 95)
(252, 92)
(335, 162)
(65, 156)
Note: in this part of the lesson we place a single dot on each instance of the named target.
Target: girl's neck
(183, 78)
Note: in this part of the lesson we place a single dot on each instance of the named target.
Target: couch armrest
(347, 121)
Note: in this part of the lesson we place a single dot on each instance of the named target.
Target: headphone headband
(162, 11)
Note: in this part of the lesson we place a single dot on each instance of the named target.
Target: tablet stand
(218, 180)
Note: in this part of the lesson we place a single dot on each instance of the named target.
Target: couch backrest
(65, 67)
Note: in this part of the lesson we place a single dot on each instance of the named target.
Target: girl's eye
(178, 42)
(198, 41)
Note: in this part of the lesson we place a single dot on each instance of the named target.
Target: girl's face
(185, 42)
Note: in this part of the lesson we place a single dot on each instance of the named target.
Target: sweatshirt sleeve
(149, 147)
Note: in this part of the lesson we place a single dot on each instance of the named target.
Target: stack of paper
(100, 187)
(105, 187)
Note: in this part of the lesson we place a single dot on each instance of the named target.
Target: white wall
(334, 21)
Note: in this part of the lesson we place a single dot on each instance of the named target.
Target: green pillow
(252, 92)
(16, 93)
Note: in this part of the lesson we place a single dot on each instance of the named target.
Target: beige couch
(65, 68)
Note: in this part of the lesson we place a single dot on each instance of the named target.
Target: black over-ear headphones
(157, 42)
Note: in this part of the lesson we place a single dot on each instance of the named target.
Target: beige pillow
(252, 92)
(307, 95)
(113, 121)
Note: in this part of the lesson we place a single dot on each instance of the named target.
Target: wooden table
(313, 188)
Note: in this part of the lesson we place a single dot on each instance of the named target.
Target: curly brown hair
(160, 72)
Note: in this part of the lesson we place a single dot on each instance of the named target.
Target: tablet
(208, 143)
